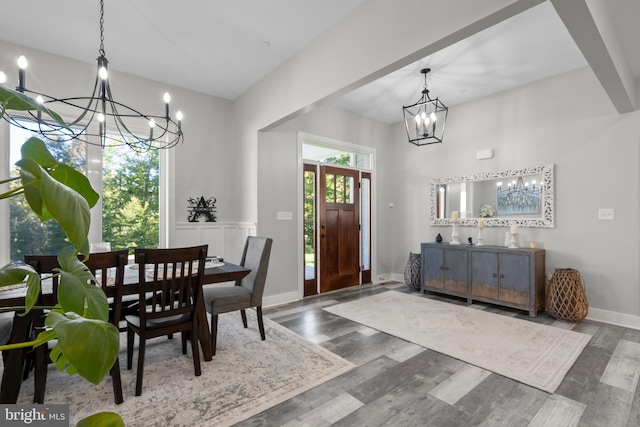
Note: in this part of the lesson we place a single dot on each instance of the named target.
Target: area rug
(245, 377)
(534, 354)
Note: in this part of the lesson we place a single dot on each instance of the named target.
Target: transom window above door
(335, 155)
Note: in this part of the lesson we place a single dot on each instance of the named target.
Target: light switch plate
(605, 214)
(285, 216)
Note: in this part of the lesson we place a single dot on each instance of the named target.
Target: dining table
(14, 360)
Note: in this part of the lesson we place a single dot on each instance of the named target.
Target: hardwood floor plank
(305, 402)
(459, 384)
(558, 411)
(406, 404)
(513, 404)
(328, 413)
(278, 314)
(623, 369)
(583, 379)
(610, 406)
(396, 386)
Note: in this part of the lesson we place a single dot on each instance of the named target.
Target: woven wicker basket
(566, 298)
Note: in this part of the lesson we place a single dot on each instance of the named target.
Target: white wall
(565, 120)
(205, 165)
(376, 38)
(278, 190)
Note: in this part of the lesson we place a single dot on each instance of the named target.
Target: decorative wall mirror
(524, 197)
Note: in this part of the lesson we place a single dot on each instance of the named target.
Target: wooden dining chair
(170, 282)
(246, 293)
(108, 268)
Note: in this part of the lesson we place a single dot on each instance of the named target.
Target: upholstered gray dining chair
(246, 293)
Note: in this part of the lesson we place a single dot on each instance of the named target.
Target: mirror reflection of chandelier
(519, 197)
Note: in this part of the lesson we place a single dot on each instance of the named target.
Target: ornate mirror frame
(546, 218)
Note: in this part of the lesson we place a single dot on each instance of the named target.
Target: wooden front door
(339, 228)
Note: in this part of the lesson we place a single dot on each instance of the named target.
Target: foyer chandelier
(425, 120)
(115, 121)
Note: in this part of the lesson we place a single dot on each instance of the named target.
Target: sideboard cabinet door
(445, 269)
(484, 275)
(515, 279)
(432, 266)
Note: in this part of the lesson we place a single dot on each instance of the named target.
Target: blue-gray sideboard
(494, 274)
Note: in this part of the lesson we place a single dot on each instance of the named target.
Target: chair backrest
(170, 281)
(44, 264)
(255, 256)
(100, 265)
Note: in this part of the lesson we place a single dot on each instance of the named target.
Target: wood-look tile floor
(398, 383)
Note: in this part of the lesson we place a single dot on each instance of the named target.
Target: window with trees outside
(130, 198)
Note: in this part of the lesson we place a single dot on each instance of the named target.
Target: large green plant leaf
(67, 175)
(90, 346)
(37, 151)
(13, 100)
(13, 274)
(77, 291)
(69, 209)
(102, 419)
(31, 174)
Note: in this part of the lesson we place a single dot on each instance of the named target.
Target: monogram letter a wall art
(201, 207)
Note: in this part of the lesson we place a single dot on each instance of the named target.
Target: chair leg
(214, 333)
(40, 375)
(130, 338)
(195, 350)
(183, 336)
(28, 364)
(140, 366)
(244, 318)
(117, 382)
(260, 323)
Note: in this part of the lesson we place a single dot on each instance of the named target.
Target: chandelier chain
(101, 50)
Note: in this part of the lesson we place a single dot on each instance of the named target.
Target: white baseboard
(391, 276)
(614, 318)
(269, 301)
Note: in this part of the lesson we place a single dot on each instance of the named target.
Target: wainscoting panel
(225, 239)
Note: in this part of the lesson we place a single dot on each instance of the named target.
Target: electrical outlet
(605, 214)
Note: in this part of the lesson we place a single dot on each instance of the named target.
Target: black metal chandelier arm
(113, 117)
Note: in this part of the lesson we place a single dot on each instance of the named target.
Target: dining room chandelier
(115, 121)
(425, 120)
(519, 196)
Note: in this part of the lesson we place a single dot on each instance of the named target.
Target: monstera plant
(87, 343)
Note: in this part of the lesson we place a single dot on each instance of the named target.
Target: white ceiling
(223, 47)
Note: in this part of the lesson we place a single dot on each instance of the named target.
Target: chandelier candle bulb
(22, 65)
(123, 118)
(167, 100)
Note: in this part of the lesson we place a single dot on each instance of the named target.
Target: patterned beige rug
(245, 377)
(534, 354)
